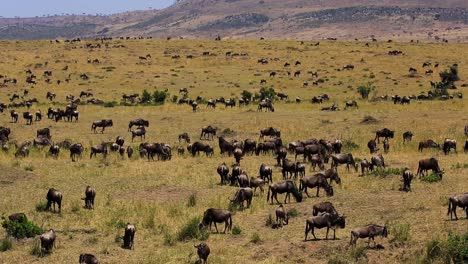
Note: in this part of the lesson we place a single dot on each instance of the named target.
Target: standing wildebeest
(343, 159)
(213, 216)
(428, 144)
(99, 149)
(43, 132)
(208, 132)
(270, 131)
(460, 200)
(196, 147)
(238, 154)
(203, 251)
(407, 178)
(351, 104)
(242, 195)
(139, 132)
(54, 197)
(102, 123)
(266, 173)
(265, 105)
(378, 161)
(369, 231)
(324, 207)
(129, 235)
(327, 220)
(223, 172)
(225, 146)
(76, 150)
(47, 241)
(38, 115)
(385, 133)
(257, 183)
(129, 152)
(288, 187)
(90, 194)
(317, 180)
(28, 117)
(372, 145)
(54, 150)
(138, 122)
(184, 136)
(448, 145)
(41, 142)
(316, 160)
(282, 217)
(88, 259)
(386, 146)
(119, 141)
(249, 146)
(407, 136)
(429, 164)
(14, 116)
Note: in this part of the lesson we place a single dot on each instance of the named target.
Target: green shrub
(41, 206)
(247, 95)
(358, 252)
(192, 201)
(350, 145)
(256, 239)
(159, 97)
(458, 247)
(36, 248)
(365, 90)
(236, 230)
(431, 178)
(267, 93)
(110, 104)
(145, 97)
(169, 239)
(6, 244)
(293, 213)
(191, 230)
(269, 220)
(21, 228)
(400, 233)
(118, 238)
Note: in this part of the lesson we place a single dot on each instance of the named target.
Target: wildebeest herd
(288, 167)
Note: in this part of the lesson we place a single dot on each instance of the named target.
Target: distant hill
(427, 20)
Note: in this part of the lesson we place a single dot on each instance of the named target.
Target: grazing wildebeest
(282, 96)
(407, 178)
(448, 145)
(369, 231)
(47, 242)
(317, 180)
(428, 144)
(372, 145)
(4, 133)
(208, 132)
(102, 123)
(41, 142)
(330, 221)
(238, 154)
(14, 116)
(129, 235)
(129, 152)
(138, 122)
(267, 105)
(99, 149)
(331, 174)
(223, 172)
(139, 132)
(203, 251)
(184, 136)
(54, 150)
(351, 104)
(213, 216)
(90, 194)
(266, 173)
(54, 197)
(288, 167)
(316, 160)
(22, 151)
(242, 180)
(196, 147)
(385, 133)
(407, 136)
(28, 117)
(343, 158)
(249, 146)
(242, 195)
(324, 207)
(119, 140)
(257, 182)
(43, 132)
(378, 161)
(88, 259)
(270, 131)
(386, 146)
(76, 150)
(429, 164)
(461, 201)
(282, 217)
(366, 165)
(225, 146)
(288, 187)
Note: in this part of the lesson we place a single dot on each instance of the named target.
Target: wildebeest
(249, 146)
(238, 154)
(448, 145)
(43, 132)
(41, 142)
(213, 216)
(385, 133)
(47, 242)
(429, 164)
(461, 201)
(208, 132)
(242, 195)
(315, 181)
(386, 146)
(184, 136)
(196, 147)
(372, 145)
(223, 172)
(38, 115)
(203, 251)
(369, 231)
(139, 132)
(267, 105)
(351, 104)
(282, 217)
(119, 140)
(138, 122)
(428, 144)
(270, 131)
(378, 161)
(28, 117)
(102, 123)
(257, 182)
(343, 158)
(54, 197)
(88, 259)
(54, 150)
(324, 207)
(76, 150)
(465, 148)
(407, 136)
(99, 149)
(330, 221)
(90, 194)
(407, 178)
(129, 235)
(22, 151)
(266, 173)
(288, 187)
(316, 160)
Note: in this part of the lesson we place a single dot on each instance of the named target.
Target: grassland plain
(154, 195)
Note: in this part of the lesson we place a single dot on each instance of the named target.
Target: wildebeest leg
(454, 210)
(334, 234)
(276, 197)
(313, 233)
(328, 229)
(318, 189)
(216, 227)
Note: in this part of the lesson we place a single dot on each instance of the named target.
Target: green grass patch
(191, 230)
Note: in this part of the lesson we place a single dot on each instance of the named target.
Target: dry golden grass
(154, 195)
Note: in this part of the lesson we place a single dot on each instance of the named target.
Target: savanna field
(161, 197)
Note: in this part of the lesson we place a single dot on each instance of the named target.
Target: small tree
(267, 93)
(449, 76)
(365, 90)
(145, 97)
(247, 95)
(160, 96)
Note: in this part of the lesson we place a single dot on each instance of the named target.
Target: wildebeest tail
(230, 222)
(450, 201)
